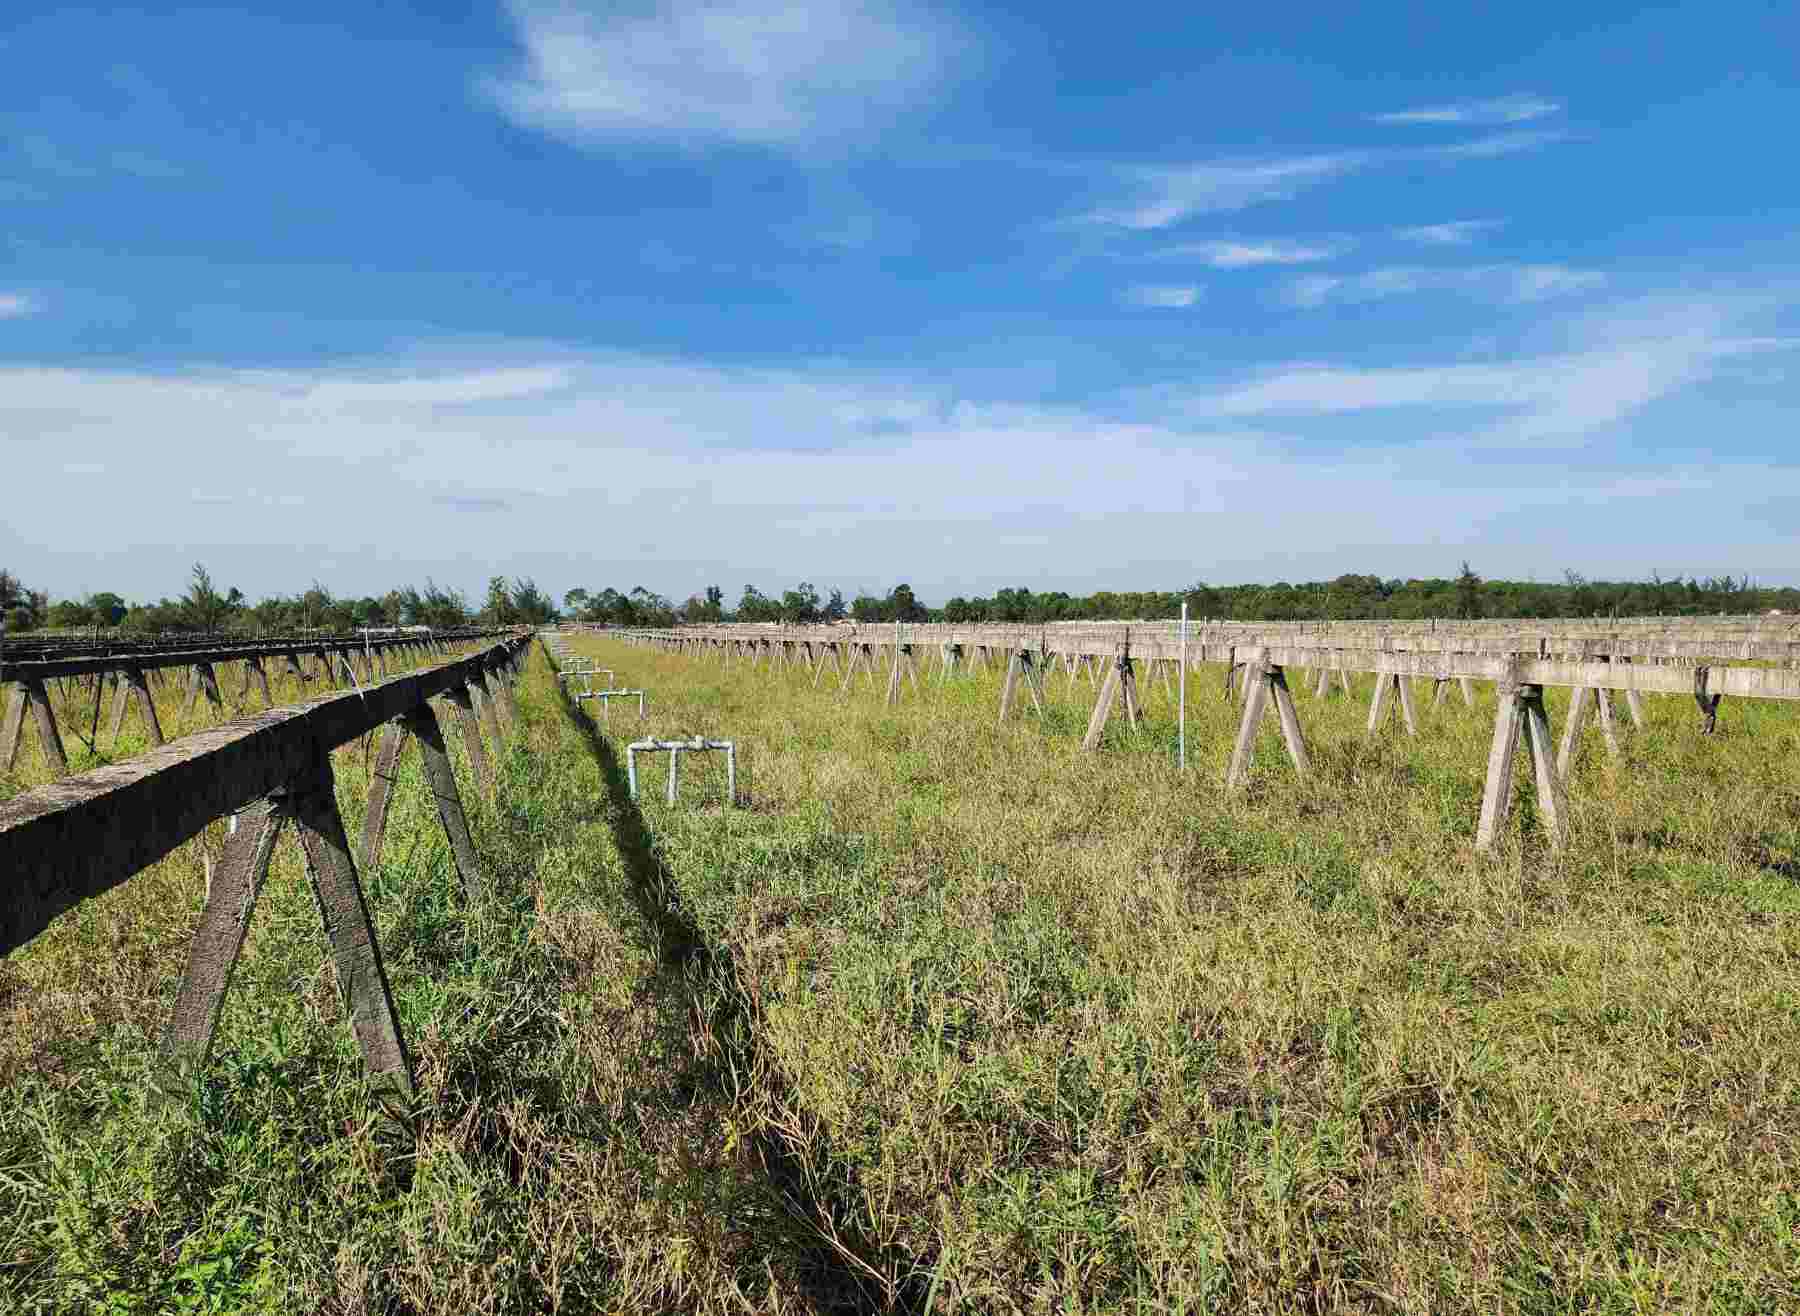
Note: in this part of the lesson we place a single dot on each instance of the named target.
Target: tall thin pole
(1181, 723)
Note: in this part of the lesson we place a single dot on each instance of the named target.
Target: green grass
(1054, 1031)
(952, 1015)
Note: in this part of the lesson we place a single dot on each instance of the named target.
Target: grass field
(953, 1016)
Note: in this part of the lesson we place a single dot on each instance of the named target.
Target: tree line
(1349, 597)
(204, 607)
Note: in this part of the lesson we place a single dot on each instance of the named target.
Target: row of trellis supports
(131, 676)
(1672, 659)
(78, 837)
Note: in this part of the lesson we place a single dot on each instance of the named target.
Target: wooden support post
(1243, 750)
(362, 979)
(1128, 689)
(489, 709)
(1581, 699)
(1006, 685)
(422, 723)
(1378, 701)
(224, 921)
(1603, 706)
(12, 726)
(1290, 721)
(1634, 703)
(1468, 691)
(1496, 794)
(1439, 688)
(209, 685)
(1543, 763)
(471, 729)
(1323, 687)
(381, 790)
(1709, 703)
(30, 693)
(1408, 715)
(261, 677)
(1520, 710)
(1109, 691)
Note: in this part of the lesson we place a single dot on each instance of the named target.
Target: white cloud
(774, 73)
(1627, 361)
(1456, 233)
(1165, 196)
(16, 304)
(1498, 144)
(1500, 283)
(1239, 254)
(1164, 295)
(1519, 108)
(611, 468)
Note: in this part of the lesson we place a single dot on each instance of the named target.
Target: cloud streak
(1247, 253)
(16, 305)
(785, 74)
(1456, 233)
(1519, 108)
(1499, 283)
(1166, 196)
(1164, 296)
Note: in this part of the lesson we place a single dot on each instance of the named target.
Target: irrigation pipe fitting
(607, 696)
(675, 749)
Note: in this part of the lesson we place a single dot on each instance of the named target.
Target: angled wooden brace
(1265, 684)
(133, 689)
(311, 802)
(1709, 703)
(30, 693)
(1520, 713)
(1581, 701)
(1386, 683)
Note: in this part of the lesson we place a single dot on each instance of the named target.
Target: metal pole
(1181, 733)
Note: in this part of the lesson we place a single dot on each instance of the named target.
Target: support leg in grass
(1709, 703)
(1006, 685)
(471, 729)
(1243, 749)
(1103, 706)
(1468, 691)
(261, 677)
(209, 686)
(1408, 714)
(362, 979)
(1439, 688)
(1128, 690)
(224, 920)
(422, 725)
(31, 695)
(1581, 700)
(1520, 711)
(489, 709)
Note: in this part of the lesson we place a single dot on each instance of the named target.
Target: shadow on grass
(832, 1282)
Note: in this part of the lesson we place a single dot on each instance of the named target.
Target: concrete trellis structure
(78, 837)
(1698, 658)
(132, 668)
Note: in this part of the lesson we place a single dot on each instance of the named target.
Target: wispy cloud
(1456, 233)
(1168, 195)
(1503, 283)
(1167, 296)
(1498, 144)
(16, 304)
(1628, 359)
(1246, 253)
(773, 73)
(461, 503)
(1519, 108)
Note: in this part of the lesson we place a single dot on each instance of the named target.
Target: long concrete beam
(43, 669)
(1434, 662)
(79, 837)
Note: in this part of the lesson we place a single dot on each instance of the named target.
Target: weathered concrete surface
(83, 835)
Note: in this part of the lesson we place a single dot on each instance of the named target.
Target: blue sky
(1066, 296)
